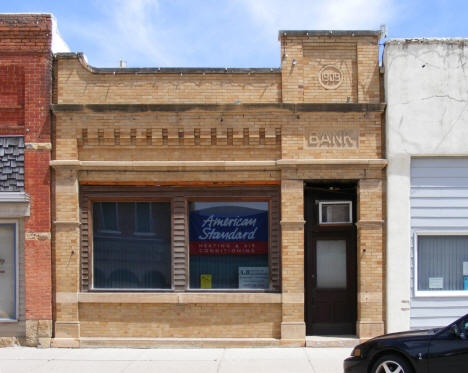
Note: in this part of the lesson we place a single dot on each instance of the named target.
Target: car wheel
(391, 364)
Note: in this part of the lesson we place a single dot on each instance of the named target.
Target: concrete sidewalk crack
(308, 359)
(218, 367)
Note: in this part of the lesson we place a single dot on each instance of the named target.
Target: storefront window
(229, 244)
(442, 263)
(132, 245)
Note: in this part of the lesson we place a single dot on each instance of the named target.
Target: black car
(442, 350)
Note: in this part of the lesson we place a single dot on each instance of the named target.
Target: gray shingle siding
(11, 164)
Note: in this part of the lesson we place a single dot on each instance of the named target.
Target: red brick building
(25, 152)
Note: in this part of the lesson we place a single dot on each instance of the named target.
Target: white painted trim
(14, 197)
(433, 293)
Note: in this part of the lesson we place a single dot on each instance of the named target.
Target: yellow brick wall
(356, 57)
(169, 136)
(181, 321)
(371, 253)
(76, 84)
(217, 136)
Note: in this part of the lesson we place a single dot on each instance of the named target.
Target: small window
(335, 212)
(442, 263)
(229, 245)
(131, 260)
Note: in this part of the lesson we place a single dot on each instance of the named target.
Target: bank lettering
(333, 139)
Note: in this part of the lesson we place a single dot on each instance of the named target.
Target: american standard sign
(225, 234)
(332, 138)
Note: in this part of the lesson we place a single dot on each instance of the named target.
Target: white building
(426, 87)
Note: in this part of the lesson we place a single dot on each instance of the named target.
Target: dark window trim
(179, 197)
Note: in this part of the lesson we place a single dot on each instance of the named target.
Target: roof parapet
(329, 33)
(165, 70)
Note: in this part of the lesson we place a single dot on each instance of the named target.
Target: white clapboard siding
(448, 192)
(439, 203)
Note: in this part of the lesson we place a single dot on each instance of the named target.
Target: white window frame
(433, 293)
(350, 206)
(16, 225)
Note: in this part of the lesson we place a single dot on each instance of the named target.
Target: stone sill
(370, 163)
(10, 107)
(183, 298)
(213, 165)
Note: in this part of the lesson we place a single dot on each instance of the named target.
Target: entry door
(331, 284)
(7, 272)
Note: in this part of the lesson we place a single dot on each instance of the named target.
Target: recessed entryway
(330, 259)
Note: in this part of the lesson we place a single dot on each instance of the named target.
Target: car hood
(410, 333)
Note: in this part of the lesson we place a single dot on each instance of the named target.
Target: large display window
(180, 239)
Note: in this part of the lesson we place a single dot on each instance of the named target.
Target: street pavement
(229, 360)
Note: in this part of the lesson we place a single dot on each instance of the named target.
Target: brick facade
(316, 119)
(25, 94)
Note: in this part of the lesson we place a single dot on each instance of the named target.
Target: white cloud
(132, 28)
(123, 29)
(213, 32)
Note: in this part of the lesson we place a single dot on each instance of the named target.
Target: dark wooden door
(331, 284)
(330, 261)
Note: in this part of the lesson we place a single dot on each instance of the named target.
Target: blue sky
(227, 33)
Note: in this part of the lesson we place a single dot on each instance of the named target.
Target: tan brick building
(220, 207)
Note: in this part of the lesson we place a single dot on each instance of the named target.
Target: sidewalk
(245, 360)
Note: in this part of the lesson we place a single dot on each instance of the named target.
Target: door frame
(314, 231)
(351, 270)
(15, 224)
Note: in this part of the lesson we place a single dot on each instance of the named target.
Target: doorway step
(319, 341)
